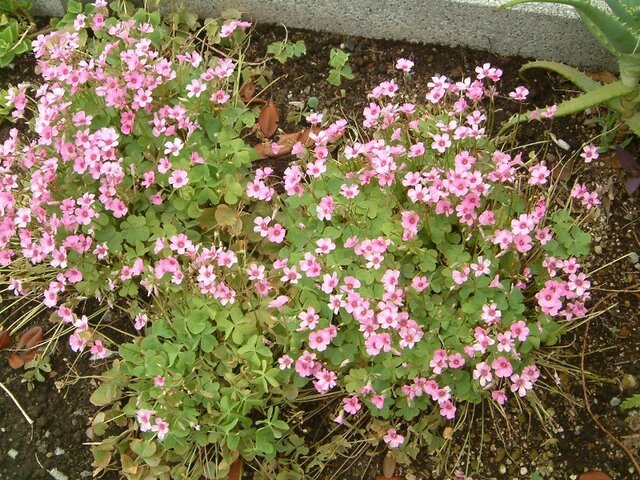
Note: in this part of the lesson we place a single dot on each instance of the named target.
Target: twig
(24, 414)
(588, 405)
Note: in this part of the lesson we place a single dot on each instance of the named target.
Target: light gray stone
(542, 31)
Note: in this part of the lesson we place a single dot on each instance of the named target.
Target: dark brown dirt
(612, 344)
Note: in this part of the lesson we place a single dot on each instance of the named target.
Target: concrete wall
(543, 31)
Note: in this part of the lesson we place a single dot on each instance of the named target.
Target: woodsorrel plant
(135, 134)
(410, 269)
(418, 267)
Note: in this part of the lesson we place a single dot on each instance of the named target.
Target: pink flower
(499, 396)
(140, 321)
(178, 178)
(441, 142)
(459, 277)
(502, 367)
(305, 364)
(376, 343)
(285, 362)
(589, 153)
(76, 342)
(520, 385)
(325, 246)
(378, 401)
(98, 350)
(456, 361)
(325, 208)
(319, 340)
(220, 97)
(393, 438)
(490, 314)
(173, 147)
(520, 330)
(404, 64)
(519, 94)
(351, 405)
(410, 221)
(195, 88)
(538, 174)
(550, 112)
(505, 342)
(279, 302)
(482, 372)
(314, 118)
(144, 419)
(161, 428)
(262, 225)
(522, 243)
(419, 283)
(448, 410)
(325, 379)
(309, 319)
(158, 381)
(276, 233)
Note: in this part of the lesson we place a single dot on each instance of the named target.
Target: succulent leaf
(575, 76)
(611, 32)
(633, 123)
(627, 12)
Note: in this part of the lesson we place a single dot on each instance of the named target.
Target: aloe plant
(618, 30)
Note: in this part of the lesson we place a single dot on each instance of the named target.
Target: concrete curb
(541, 31)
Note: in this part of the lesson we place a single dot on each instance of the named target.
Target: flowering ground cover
(405, 266)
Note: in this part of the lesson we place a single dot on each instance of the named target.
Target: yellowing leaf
(225, 216)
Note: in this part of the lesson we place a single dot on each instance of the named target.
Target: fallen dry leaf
(247, 91)
(594, 476)
(15, 361)
(562, 170)
(5, 339)
(236, 470)
(602, 76)
(30, 338)
(388, 466)
(611, 159)
(285, 142)
(269, 119)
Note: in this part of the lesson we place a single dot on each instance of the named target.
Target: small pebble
(597, 249)
(614, 402)
(12, 453)
(633, 258)
(57, 474)
(523, 471)
(502, 469)
(59, 451)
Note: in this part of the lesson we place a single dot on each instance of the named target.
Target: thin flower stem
(24, 414)
(590, 274)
